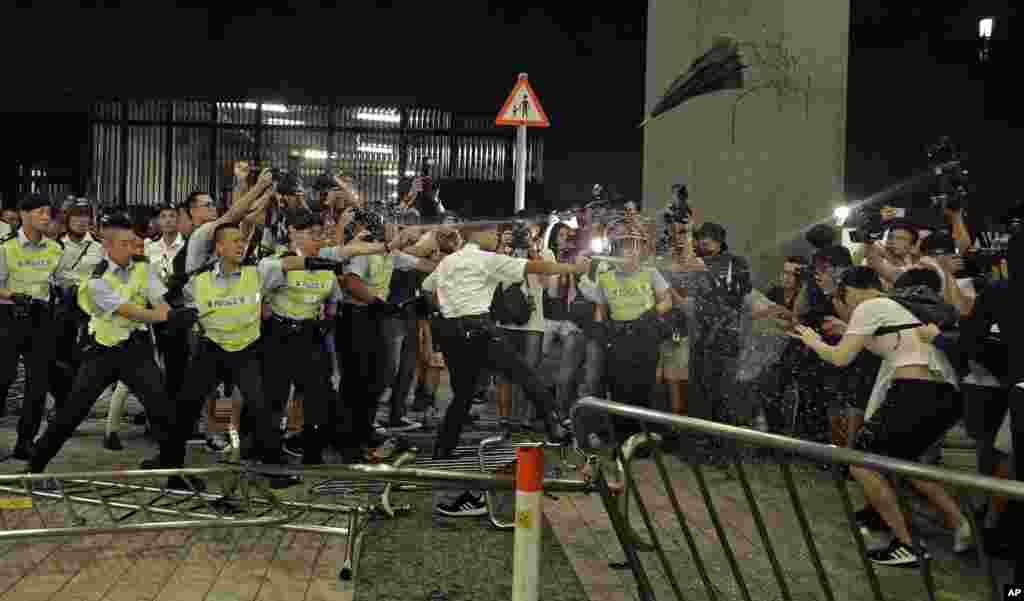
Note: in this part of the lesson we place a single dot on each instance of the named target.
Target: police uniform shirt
(334, 297)
(107, 300)
(465, 280)
(364, 266)
(79, 260)
(28, 245)
(269, 272)
(658, 284)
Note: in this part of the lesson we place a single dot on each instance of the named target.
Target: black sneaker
(466, 505)
(896, 554)
(112, 442)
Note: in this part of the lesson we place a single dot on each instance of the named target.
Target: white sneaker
(963, 538)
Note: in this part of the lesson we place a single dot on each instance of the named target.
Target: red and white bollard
(526, 552)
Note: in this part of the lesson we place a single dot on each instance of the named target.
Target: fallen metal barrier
(633, 543)
(246, 499)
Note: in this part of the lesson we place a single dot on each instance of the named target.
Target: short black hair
(919, 276)
(222, 227)
(191, 199)
(166, 207)
(861, 278)
(796, 259)
(120, 221)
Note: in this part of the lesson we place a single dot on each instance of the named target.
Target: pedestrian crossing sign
(523, 107)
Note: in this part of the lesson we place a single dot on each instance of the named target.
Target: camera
(947, 163)
(679, 211)
(870, 227)
(373, 222)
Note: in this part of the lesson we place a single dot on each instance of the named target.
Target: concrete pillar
(786, 169)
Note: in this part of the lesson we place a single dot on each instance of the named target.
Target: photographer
(939, 254)
(522, 318)
(898, 424)
(718, 281)
(999, 305)
(200, 244)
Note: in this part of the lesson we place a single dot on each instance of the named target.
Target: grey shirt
(200, 246)
(598, 296)
(107, 300)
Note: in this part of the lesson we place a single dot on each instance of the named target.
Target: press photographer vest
(229, 316)
(628, 297)
(29, 270)
(110, 329)
(305, 293)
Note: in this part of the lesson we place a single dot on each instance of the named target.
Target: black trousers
(470, 346)
(132, 364)
(296, 357)
(261, 439)
(632, 366)
(66, 355)
(174, 350)
(360, 344)
(31, 338)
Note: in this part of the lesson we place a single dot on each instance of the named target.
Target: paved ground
(416, 555)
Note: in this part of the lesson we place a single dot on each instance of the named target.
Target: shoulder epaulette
(9, 237)
(140, 259)
(57, 242)
(287, 254)
(101, 268)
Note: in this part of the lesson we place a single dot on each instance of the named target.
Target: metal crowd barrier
(245, 499)
(632, 543)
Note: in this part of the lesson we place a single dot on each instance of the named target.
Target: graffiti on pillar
(773, 66)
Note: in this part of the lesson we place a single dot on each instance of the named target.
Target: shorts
(675, 357)
(913, 416)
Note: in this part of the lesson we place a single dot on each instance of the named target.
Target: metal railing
(632, 543)
(245, 499)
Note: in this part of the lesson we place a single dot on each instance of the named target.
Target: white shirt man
(161, 254)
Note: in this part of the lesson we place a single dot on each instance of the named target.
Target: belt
(292, 326)
(481, 318)
(34, 308)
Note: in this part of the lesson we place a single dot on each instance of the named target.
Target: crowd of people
(280, 298)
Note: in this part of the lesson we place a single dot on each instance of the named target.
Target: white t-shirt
(898, 349)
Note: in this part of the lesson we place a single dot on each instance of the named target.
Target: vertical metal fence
(148, 152)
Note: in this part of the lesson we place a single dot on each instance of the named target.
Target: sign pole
(520, 168)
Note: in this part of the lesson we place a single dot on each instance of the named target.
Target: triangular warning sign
(522, 107)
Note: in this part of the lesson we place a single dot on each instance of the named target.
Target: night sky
(912, 75)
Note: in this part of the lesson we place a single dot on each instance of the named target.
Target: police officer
(28, 261)
(293, 349)
(364, 356)
(121, 298)
(228, 296)
(630, 299)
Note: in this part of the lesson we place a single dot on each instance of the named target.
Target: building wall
(785, 170)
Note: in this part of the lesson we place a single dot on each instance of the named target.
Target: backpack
(924, 304)
(511, 305)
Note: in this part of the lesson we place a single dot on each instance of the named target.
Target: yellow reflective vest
(229, 315)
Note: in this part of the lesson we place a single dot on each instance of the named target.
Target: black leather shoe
(112, 442)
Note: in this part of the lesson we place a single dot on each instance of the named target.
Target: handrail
(828, 453)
